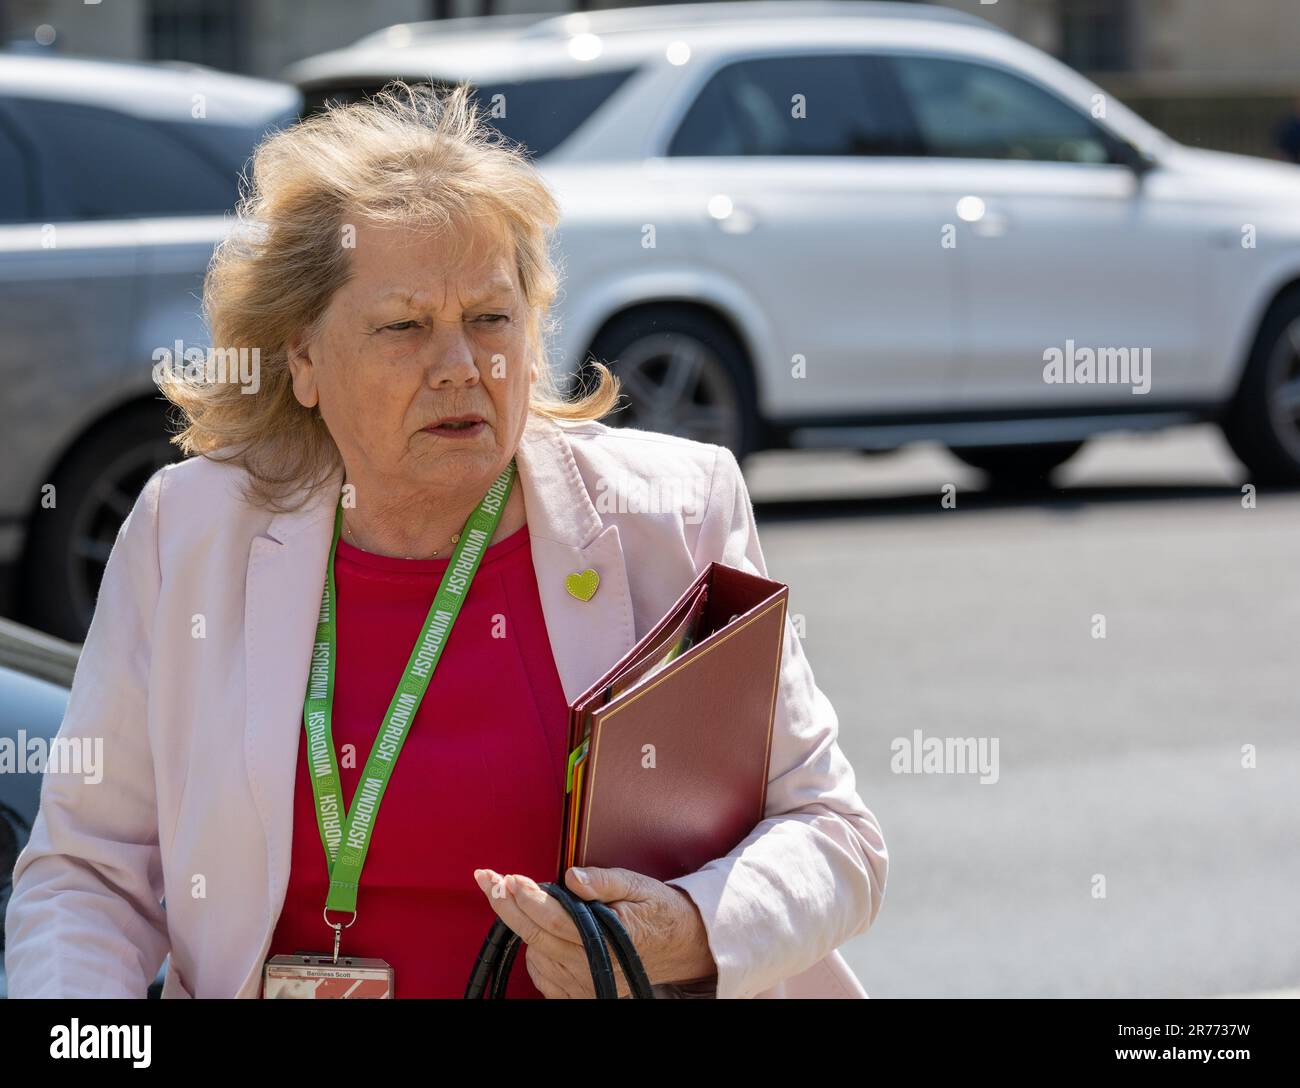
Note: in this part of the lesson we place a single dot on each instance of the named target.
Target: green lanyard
(347, 836)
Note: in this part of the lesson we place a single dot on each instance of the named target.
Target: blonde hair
(407, 156)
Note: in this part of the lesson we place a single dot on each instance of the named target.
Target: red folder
(669, 750)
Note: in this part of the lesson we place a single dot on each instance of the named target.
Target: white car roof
(506, 49)
(528, 46)
(163, 91)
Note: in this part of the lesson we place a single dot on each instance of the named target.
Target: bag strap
(594, 922)
(633, 970)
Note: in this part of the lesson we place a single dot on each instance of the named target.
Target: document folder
(669, 750)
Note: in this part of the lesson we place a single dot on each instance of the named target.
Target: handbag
(595, 922)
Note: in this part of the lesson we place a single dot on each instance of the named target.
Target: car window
(540, 114)
(814, 104)
(15, 192)
(227, 148)
(973, 111)
(100, 164)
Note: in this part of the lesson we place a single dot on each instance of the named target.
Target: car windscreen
(88, 162)
(540, 114)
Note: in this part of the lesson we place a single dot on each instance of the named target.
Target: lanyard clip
(338, 928)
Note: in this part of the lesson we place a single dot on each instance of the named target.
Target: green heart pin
(583, 585)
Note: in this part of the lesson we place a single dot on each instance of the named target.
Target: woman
(390, 266)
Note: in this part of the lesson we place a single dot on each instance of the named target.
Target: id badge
(319, 976)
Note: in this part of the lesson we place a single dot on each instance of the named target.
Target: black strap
(624, 949)
(594, 921)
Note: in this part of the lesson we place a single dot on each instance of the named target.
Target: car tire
(1018, 467)
(1263, 423)
(682, 372)
(95, 487)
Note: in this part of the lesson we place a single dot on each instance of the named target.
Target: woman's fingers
(556, 957)
(554, 978)
(527, 909)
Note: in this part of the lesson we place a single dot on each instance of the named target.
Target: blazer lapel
(568, 537)
(286, 573)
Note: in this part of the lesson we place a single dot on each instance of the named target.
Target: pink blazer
(193, 674)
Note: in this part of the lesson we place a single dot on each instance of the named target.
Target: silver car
(115, 183)
(859, 225)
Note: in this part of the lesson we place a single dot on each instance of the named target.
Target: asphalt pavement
(1142, 836)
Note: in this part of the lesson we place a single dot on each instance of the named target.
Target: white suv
(858, 225)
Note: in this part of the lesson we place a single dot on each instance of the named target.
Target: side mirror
(1137, 159)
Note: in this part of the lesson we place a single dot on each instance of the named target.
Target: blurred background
(842, 239)
(1208, 73)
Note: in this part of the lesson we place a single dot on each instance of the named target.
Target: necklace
(454, 538)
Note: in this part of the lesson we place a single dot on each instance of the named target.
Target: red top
(479, 782)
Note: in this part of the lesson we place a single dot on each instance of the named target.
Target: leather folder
(669, 750)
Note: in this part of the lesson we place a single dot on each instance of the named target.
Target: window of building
(201, 31)
(1096, 35)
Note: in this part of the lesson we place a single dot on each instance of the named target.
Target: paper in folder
(669, 750)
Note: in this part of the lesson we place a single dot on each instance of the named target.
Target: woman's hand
(663, 922)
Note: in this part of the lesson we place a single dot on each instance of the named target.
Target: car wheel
(1263, 424)
(1018, 466)
(683, 373)
(94, 490)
